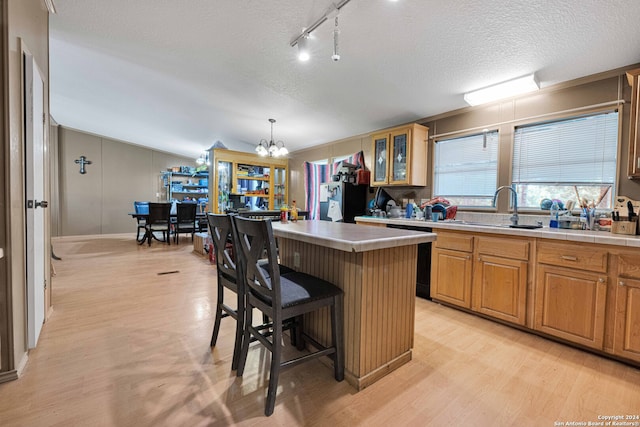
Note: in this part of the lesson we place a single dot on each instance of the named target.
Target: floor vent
(168, 272)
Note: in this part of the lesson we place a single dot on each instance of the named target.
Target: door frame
(6, 312)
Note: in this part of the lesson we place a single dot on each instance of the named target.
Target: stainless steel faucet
(514, 217)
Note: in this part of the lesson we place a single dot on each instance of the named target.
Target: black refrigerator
(342, 201)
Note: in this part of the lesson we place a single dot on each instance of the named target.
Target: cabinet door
(500, 287)
(400, 148)
(451, 277)
(633, 170)
(223, 188)
(380, 156)
(570, 304)
(279, 188)
(627, 320)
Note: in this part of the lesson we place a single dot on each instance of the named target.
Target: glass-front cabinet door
(279, 188)
(252, 189)
(400, 162)
(245, 181)
(380, 155)
(223, 190)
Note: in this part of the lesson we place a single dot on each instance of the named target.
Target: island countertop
(349, 237)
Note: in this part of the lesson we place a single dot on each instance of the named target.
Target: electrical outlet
(296, 259)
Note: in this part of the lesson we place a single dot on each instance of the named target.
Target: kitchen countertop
(601, 237)
(349, 237)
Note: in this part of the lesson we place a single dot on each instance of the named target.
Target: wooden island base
(379, 287)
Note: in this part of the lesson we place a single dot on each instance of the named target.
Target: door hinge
(45, 284)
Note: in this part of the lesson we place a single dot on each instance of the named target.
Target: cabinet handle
(479, 258)
(601, 280)
(621, 283)
(569, 258)
(467, 257)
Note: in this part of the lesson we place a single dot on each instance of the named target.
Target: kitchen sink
(486, 224)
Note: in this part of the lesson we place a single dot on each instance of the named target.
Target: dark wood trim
(6, 336)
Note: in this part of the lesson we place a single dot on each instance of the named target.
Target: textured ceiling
(180, 75)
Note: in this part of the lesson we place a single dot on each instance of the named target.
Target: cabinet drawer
(503, 247)
(585, 257)
(629, 265)
(454, 241)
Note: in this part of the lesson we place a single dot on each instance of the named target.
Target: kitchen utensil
(630, 208)
(570, 205)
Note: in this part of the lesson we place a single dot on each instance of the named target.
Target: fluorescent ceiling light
(502, 90)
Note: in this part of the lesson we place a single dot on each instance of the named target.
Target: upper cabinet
(400, 156)
(633, 77)
(247, 181)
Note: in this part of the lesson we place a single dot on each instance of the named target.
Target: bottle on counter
(284, 214)
(554, 212)
(294, 212)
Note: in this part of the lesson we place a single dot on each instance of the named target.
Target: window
(567, 160)
(466, 169)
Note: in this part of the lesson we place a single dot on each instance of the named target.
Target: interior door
(34, 195)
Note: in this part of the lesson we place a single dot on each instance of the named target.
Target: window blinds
(576, 151)
(466, 166)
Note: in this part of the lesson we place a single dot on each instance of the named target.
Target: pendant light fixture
(271, 148)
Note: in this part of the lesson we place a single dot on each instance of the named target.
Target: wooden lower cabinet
(452, 268)
(582, 293)
(500, 272)
(570, 304)
(626, 342)
(451, 277)
(627, 328)
(500, 288)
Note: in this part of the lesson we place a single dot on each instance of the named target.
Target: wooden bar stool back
(282, 297)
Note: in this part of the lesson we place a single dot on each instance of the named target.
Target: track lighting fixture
(301, 40)
(336, 33)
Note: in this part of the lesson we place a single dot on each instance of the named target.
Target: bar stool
(282, 297)
(221, 230)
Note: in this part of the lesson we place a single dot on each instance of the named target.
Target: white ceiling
(179, 75)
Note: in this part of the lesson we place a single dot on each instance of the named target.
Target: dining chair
(159, 221)
(141, 208)
(185, 220)
(282, 297)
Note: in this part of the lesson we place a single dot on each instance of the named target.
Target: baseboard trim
(22, 364)
(8, 376)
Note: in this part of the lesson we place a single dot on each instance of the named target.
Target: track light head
(303, 50)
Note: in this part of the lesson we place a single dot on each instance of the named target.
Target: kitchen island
(376, 269)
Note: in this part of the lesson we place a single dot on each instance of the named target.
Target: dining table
(201, 223)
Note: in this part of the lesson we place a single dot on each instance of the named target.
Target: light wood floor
(128, 347)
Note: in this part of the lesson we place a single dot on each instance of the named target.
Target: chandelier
(271, 148)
